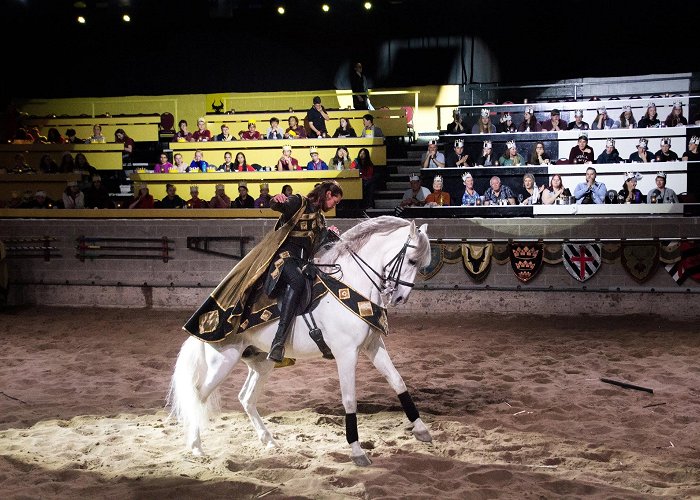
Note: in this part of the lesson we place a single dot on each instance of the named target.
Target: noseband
(390, 278)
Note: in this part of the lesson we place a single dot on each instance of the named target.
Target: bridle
(390, 278)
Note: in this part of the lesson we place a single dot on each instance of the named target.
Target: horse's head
(400, 272)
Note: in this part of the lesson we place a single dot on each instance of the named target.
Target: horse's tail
(184, 397)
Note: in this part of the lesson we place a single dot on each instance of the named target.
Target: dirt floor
(516, 407)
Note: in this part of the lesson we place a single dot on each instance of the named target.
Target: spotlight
(81, 19)
(126, 18)
(325, 7)
(280, 10)
(368, 5)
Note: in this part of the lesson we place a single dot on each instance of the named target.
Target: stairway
(398, 170)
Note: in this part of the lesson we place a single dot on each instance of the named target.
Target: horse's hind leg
(377, 353)
(259, 369)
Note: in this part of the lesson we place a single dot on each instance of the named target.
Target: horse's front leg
(376, 351)
(347, 365)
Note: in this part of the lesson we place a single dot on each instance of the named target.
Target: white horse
(378, 258)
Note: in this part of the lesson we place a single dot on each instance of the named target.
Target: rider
(285, 272)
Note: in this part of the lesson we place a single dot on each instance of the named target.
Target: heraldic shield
(582, 261)
(640, 261)
(526, 260)
(476, 259)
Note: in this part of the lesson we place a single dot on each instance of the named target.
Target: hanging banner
(582, 261)
(526, 260)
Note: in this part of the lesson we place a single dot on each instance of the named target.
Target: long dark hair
(367, 161)
(534, 159)
(245, 162)
(319, 192)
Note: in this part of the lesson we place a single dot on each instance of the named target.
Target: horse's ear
(413, 229)
(423, 229)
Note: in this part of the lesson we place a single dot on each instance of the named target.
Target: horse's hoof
(198, 452)
(423, 436)
(271, 444)
(361, 460)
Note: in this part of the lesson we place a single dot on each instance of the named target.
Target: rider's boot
(288, 309)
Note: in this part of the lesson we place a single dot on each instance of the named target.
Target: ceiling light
(126, 18)
(81, 19)
(280, 10)
(325, 7)
(368, 5)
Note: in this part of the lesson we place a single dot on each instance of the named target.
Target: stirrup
(276, 353)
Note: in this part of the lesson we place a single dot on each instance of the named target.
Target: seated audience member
(470, 197)
(171, 200)
(457, 125)
(627, 119)
(610, 155)
(603, 121)
(529, 123)
(506, 125)
(47, 165)
(511, 157)
(71, 138)
(438, 198)
(555, 123)
(650, 118)
(487, 159)
(202, 134)
(198, 164)
(225, 134)
(539, 156)
(369, 177)
(665, 153)
(274, 132)
(241, 164)
(661, 194)
(341, 160)
(67, 164)
(163, 166)
(344, 129)
(629, 192)
(316, 118)
(416, 194)
(457, 157)
(287, 161)
(555, 191)
(294, 131)
(195, 201)
(53, 136)
(582, 152)
(182, 134)
(316, 163)
(287, 190)
(692, 153)
(96, 137)
(498, 194)
(484, 125)
(590, 191)
(97, 196)
(41, 201)
(220, 198)
(531, 193)
(642, 155)
(227, 165)
(369, 129)
(120, 137)
(15, 200)
(142, 198)
(72, 196)
(36, 134)
(432, 158)
(676, 118)
(578, 122)
(264, 200)
(83, 165)
(251, 134)
(179, 163)
(243, 200)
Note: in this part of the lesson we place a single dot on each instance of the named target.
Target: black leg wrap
(408, 406)
(351, 427)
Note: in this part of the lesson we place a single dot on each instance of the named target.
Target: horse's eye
(412, 262)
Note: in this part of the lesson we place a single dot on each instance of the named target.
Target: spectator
(179, 163)
(264, 200)
(41, 201)
(96, 137)
(341, 160)
(344, 129)
(225, 135)
(97, 196)
(507, 126)
(438, 198)
(67, 164)
(629, 192)
(15, 200)
(227, 165)
(590, 191)
(665, 153)
(610, 155)
(195, 201)
(498, 194)
(47, 165)
(287, 190)
(676, 118)
(627, 119)
(457, 125)
(72, 196)
(83, 165)
(578, 122)
(274, 131)
(555, 123)
(21, 166)
(582, 152)
(661, 194)
(692, 153)
(358, 84)
(555, 191)
(220, 199)
(603, 121)
(202, 134)
(484, 125)
(538, 155)
(530, 193)
(642, 155)
(53, 136)
(457, 157)
(650, 118)
(171, 200)
(294, 131)
(487, 159)
(241, 164)
(142, 198)
(432, 158)
(529, 123)
(369, 176)
(163, 166)
(287, 161)
(22, 136)
(470, 196)
(182, 134)
(416, 194)
(198, 164)
(511, 157)
(316, 119)
(251, 134)
(120, 137)
(316, 163)
(243, 200)
(71, 138)
(36, 135)
(369, 129)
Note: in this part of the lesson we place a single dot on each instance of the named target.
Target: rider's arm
(287, 208)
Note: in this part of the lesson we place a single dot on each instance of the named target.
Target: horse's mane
(355, 238)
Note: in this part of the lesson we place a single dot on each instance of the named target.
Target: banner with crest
(476, 259)
(582, 260)
(526, 259)
(640, 260)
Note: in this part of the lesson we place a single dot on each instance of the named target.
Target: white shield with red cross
(582, 260)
